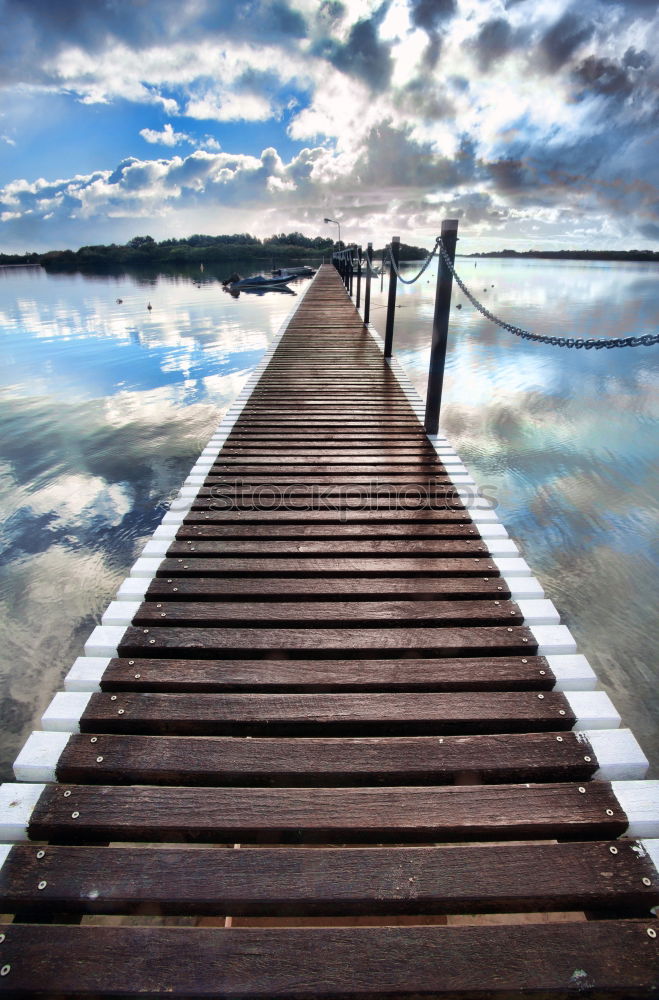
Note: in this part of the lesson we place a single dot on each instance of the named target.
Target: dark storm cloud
(602, 76)
(431, 14)
(495, 40)
(35, 30)
(650, 230)
(636, 60)
(363, 55)
(561, 41)
(393, 159)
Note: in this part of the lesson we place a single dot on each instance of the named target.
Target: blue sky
(532, 121)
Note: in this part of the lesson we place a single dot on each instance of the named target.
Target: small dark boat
(257, 281)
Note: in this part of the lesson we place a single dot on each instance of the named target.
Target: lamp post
(336, 224)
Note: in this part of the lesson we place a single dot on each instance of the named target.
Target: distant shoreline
(606, 255)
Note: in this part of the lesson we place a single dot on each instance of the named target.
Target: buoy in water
(149, 306)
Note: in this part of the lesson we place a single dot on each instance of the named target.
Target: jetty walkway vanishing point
(329, 725)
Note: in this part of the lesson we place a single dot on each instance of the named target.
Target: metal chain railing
(646, 340)
(410, 281)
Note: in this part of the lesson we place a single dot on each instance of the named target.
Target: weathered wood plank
(93, 813)
(323, 881)
(500, 673)
(426, 760)
(353, 548)
(336, 714)
(308, 566)
(399, 963)
(335, 614)
(350, 588)
(384, 531)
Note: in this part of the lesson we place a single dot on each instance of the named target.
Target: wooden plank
(202, 513)
(500, 673)
(313, 548)
(93, 813)
(328, 614)
(425, 760)
(615, 958)
(351, 588)
(336, 714)
(306, 566)
(383, 531)
(308, 467)
(325, 881)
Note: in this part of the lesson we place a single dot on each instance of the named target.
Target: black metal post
(359, 277)
(367, 291)
(440, 328)
(350, 272)
(391, 301)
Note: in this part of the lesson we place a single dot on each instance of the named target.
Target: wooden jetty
(330, 740)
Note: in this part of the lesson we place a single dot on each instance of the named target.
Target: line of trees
(620, 255)
(195, 250)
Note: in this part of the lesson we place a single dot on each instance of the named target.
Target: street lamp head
(328, 220)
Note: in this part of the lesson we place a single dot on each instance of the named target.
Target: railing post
(367, 291)
(391, 301)
(346, 273)
(440, 328)
(359, 277)
(350, 272)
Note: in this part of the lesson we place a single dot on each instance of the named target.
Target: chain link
(410, 281)
(646, 340)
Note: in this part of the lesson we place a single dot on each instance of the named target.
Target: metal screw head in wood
(614, 850)
(561, 711)
(99, 760)
(113, 697)
(42, 885)
(609, 812)
(74, 815)
(120, 711)
(67, 794)
(40, 855)
(2, 937)
(587, 759)
(647, 881)
(94, 739)
(5, 970)
(582, 789)
(559, 739)
(651, 932)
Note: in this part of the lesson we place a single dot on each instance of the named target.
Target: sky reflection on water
(104, 408)
(566, 440)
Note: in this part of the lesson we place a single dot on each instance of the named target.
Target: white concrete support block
(64, 712)
(104, 640)
(539, 612)
(640, 802)
(176, 517)
(209, 453)
(133, 588)
(120, 612)
(86, 673)
(553, 639)
(39, 757)
(592, 709)
(194, 480)
(496, 530)
(511, 567)
(573, 672)
(502, 547)
(202, 465)
(651, 849)
(618, 754)
(17, 803)
(156, 547)
(165, 532)
(183, 503)
(145, 568)
(481, 516)
(523, 587)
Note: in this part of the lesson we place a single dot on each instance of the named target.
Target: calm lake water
(105, 406)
